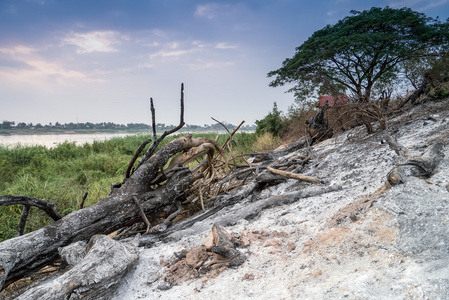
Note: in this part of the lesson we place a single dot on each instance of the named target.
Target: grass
(63, 174)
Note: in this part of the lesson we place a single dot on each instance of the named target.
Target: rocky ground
(355, 236)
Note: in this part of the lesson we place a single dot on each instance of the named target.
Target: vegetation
(363, 54)
(63, 174)
(8, 127)
(273, 123)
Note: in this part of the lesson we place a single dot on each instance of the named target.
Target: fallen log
(95, 276)
(418, 166)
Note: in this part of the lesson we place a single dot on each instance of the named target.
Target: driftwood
(299, 177)
(106, 261)
(217, 254)
(419, 166)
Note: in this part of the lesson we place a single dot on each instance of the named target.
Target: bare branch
(398, 148)
(84, 199)
(300, 177)
(134, 158)
(44, 205)
(157, 141)
(142, 213)
(22, 220)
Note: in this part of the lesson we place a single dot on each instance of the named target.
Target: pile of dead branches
(151, 200)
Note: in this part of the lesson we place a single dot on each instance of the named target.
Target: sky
(101, 60)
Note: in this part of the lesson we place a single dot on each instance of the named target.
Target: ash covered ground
(353, 237)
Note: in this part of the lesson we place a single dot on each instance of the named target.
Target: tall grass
(63, 174)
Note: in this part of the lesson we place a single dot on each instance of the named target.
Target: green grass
(63, 174)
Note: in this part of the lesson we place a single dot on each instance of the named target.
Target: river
(52, 140)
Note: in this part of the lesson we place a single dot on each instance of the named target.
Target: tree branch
(46, 206)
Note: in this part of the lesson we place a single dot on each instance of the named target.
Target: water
(52, 140)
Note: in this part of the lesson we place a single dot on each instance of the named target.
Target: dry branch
(299, 177)
(23, 219)
(157, 141)
(398, 148)
(46, 206)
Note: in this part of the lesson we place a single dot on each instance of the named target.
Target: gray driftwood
(95, 276)
(419, 166)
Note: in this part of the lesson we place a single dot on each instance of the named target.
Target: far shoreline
(6, 132)
(65, 131)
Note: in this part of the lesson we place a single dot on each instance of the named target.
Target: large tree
(361, 53)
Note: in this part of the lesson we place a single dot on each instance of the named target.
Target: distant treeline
(10, 125)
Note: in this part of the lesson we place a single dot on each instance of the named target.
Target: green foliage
(63, 174)
(439, 68)
(273, 123)
(360, 52)
(439, 91)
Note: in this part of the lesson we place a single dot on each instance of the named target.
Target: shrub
(273, 123)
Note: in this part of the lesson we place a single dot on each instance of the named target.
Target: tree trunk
(95, 276)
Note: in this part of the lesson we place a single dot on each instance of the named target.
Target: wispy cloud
(95, 41)
(170, 53)
(425, 4)
(210, 65)
(32, 67)
(174, 50)
(208, 11)
(215, 10)
(225, 46)
(18, 50)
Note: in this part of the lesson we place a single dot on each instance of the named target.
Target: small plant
(273, 123)
(266, 141)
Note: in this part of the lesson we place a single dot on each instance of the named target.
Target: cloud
(425, 4)
(225, 46)
(215, 10)
(95, 41)
(170, 53)
(43, 67)
(210, 65)
(174, 50)
(25, 64)
(18, 50)
(208, 11)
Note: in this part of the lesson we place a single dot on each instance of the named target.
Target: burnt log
(317, 126)
(421, 90)
(423, 166)
(95, 276)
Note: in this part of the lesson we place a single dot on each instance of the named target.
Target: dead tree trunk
(317, 126)
(423, 88)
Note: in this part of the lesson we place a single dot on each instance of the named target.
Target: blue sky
(101, 60)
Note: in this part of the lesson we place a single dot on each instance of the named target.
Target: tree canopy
(362, 53)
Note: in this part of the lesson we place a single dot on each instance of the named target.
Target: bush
(273, 123)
